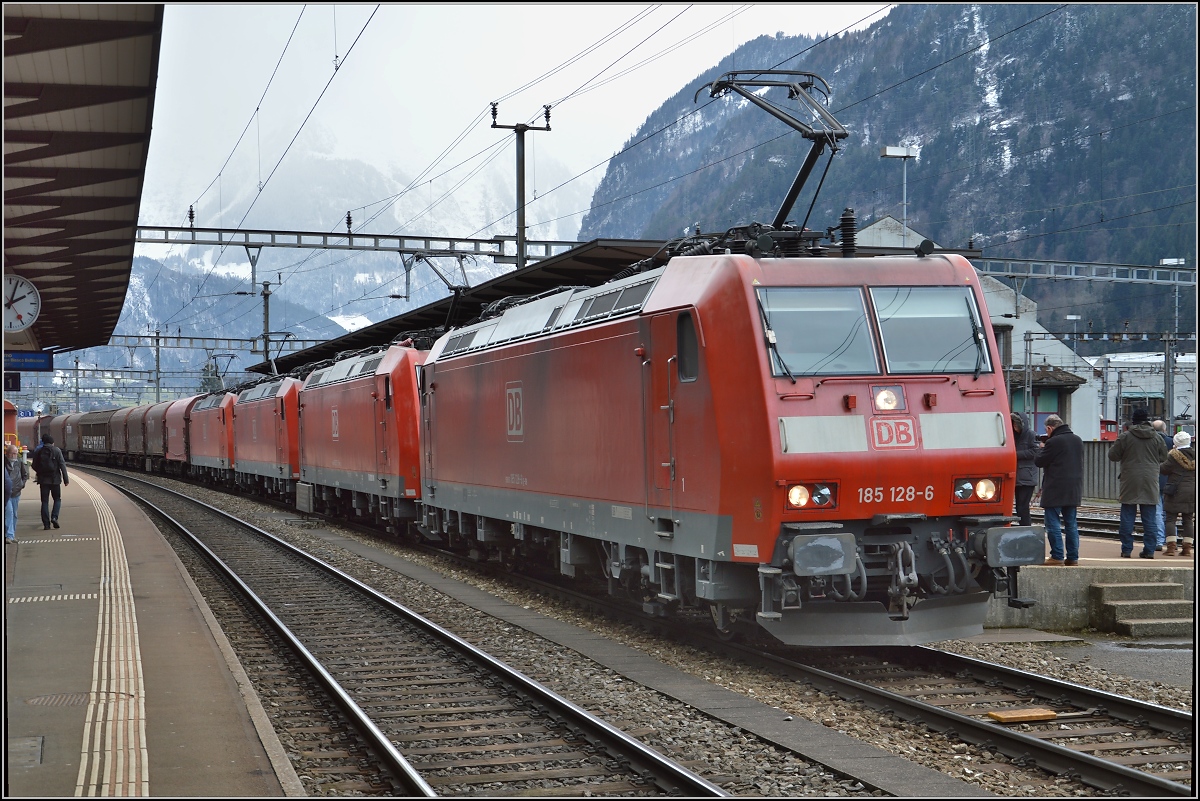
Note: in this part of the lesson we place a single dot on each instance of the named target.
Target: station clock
(22, 303)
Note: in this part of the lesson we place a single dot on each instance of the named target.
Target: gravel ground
(741, 763)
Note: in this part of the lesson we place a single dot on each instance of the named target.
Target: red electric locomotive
(359, 451)
(266, 437)
(210, 437)
(819, 446)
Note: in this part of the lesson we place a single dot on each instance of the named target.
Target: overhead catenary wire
(283, 155)
(386, 203)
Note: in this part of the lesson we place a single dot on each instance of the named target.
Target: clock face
(21, 303)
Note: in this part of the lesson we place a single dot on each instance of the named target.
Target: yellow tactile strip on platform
(114, 760)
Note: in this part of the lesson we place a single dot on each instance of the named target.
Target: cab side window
(689, 348)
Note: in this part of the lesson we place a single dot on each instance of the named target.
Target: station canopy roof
(79, 85)
(589, 264)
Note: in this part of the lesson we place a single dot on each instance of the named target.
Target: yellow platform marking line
(113, 759)
(71, 596)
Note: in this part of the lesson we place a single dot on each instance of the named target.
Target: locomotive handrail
(797, 396)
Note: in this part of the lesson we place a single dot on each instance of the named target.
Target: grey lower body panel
(685, 533)
(264, 469)
(368, 483)
(866, 623)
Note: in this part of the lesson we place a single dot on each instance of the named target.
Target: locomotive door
(426, 455)
(658, 374)
(383, 409)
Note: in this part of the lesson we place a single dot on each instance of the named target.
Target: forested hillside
(1045, 132)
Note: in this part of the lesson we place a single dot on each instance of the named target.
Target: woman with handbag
(1179, 494)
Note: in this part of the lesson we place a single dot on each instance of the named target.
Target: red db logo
(894, 432)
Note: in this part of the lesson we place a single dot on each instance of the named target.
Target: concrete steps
(1141, 609)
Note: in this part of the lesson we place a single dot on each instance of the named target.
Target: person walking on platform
(51, 471)
(1141, 452)
(1180, 498)
(1027, 473)
(1061, 461)
(18, 473)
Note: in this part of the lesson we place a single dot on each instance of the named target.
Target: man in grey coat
(1141, 451)
(1062, 489)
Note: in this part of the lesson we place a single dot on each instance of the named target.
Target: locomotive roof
(590, 264)
(554, 312)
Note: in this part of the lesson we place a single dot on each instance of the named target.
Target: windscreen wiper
(977, 335)
(771, 338)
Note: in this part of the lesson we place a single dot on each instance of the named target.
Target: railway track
(1115, 744)
(1118, 745)
(425, 713)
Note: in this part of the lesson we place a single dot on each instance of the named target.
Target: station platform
(118, 681)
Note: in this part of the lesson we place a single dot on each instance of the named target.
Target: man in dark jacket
(1062, 489)
(1027, 472)
(1141, 452)
(51, 471)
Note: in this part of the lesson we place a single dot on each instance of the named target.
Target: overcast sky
(413, 78)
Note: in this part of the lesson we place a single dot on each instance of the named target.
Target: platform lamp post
(904, 153)
(1074, 318)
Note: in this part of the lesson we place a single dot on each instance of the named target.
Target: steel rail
(650, 764)
(409, 778)
(1128, 709)
(1022, 748)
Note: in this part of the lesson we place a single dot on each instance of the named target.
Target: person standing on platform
(1141, 452)
(1027, 473)
(1161, 427)
(1061, 461)
(1180, 500)
(7, 492)
(51, 471)
(18, 473)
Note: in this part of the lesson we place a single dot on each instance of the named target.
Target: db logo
(516, 413)
(894, 432)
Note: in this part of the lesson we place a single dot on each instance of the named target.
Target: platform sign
(12, 382)
(36, 361)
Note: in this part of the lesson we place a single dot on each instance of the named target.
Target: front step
(1144, 591)
(1152, 609)
(1176, 627)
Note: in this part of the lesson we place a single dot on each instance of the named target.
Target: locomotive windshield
(813, 331)
(930, 329)
(817, 331)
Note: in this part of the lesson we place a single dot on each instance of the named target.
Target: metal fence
(1099, 473)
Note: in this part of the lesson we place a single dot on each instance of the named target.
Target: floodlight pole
(903, 153)
(520, 131)
(266, 296)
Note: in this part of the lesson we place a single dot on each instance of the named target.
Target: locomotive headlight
(798, 495)
(964, 489)
(985, 489)
(822, 495)
(888, 399)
